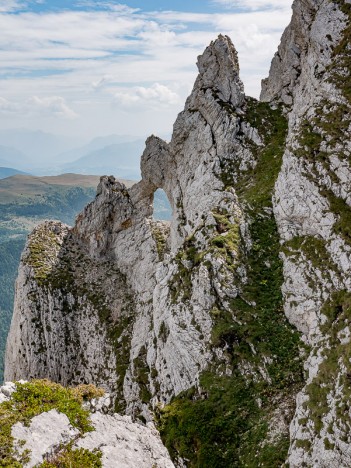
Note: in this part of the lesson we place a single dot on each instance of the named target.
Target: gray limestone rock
(310, 190)
(122, 442)
(43, 436)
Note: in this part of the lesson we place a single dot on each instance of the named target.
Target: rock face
(125, 443)
(150, 310)
(44, 435)
(122, 443)
(248, 283)
(310, 75)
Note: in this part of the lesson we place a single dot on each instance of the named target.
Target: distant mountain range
(26, 200)
(43, 153)
(119, 159)
(13, 158)
(38, 146)
(8, 172)
(97, 144)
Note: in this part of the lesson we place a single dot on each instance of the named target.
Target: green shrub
(36, 397)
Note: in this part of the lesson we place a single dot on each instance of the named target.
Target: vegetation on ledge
(74, 458)
(36, 397)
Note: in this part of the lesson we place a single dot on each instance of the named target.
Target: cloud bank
(52, 106)
(102, 59)
(154, 95)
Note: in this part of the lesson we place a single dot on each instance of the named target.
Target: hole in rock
(162, 207)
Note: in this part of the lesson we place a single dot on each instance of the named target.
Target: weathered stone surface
(6, 391)
(144, 308)
(121, 441)
(304, 54)
(124, 443)
(314, 177)
(50, 343)
(219, 71)
(117, 230)
(43, 436)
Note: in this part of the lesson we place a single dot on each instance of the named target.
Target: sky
(89, 68)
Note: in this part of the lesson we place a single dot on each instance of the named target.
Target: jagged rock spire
(219, 70)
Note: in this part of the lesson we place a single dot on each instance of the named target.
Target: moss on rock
(36, 397)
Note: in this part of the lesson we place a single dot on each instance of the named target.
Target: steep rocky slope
(222, 319)
(26, 201)
(310, 74)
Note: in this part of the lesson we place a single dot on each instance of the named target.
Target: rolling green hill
(26, 200)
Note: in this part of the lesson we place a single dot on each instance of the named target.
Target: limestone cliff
(310, 74)
(210, 320)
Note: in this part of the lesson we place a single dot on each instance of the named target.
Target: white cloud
(155, 94)
(135, 47)
(105, 4)
(7, 106)
(253, 4)
(112, 53)
(10, 5)
(54, 106)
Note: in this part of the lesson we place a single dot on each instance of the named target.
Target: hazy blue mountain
(45, 153)
(39, 146)
(121, 160)
(8, 172)
(12, 157)
(94, 145)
